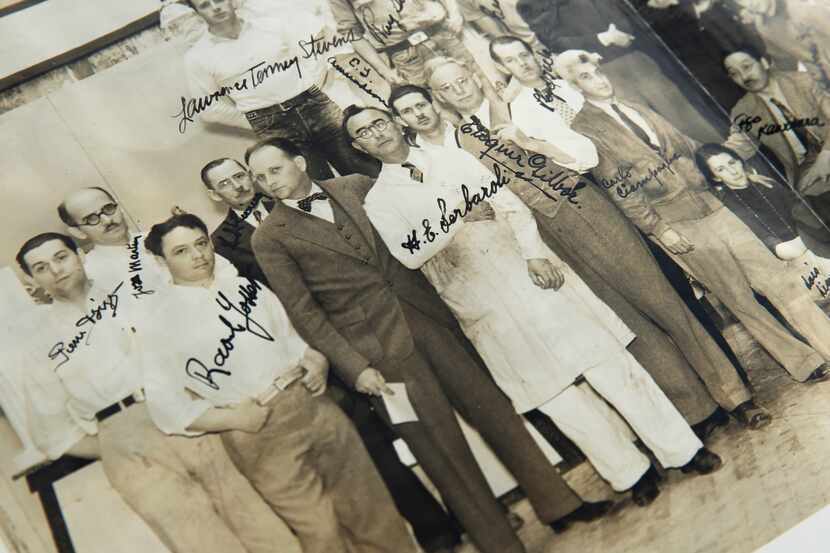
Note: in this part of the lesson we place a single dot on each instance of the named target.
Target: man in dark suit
(382, 325)
(608, 28)
(229, 182)
(647, 168)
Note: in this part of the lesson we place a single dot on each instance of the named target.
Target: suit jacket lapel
(353, 209)
(310, 228)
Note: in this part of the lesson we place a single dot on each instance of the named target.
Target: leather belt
(280, 384)
(283, 107)
(117, 407)
(405, 44)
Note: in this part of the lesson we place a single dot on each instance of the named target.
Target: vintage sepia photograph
(414, 276)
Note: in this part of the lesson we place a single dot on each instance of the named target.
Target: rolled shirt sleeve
(53, 429)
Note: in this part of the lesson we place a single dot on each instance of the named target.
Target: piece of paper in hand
(398, 405)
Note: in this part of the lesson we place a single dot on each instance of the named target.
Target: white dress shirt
(215, 62)
(101, 370)
(319, 208)
(186, 342)
(538, 122)
(632, 114)
(444, 170)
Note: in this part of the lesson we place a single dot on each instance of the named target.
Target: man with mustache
(93, 214)
(229, 183)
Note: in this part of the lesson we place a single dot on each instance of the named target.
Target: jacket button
(348, 237)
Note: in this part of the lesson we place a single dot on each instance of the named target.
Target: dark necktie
(634, 127)
(305, 203)
(799, 131)
(414, 173)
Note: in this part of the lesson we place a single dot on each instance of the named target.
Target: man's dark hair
(213, 165)
(504, 40)
(748, 49)
(703, 153)
(67, 218)
(287, 147)
(354, 110)
(187, 220)
(39, 240)
(401, 91)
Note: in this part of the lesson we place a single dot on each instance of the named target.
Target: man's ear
(438, 95)
(477, 80)
(76, 232)
(161, 261)
(397, 119)
(301, 163)
(765, 63)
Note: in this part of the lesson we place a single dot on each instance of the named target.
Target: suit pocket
(354, 326)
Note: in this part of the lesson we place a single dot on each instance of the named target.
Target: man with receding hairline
(93, 214)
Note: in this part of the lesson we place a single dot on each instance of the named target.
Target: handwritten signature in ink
(363, 85)
(63, 350)
(195, 368)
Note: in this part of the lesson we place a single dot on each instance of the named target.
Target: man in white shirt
(93, 374)
(532, 128)
(245, 373)
(254, 74)
(229, 184)
(93, 214)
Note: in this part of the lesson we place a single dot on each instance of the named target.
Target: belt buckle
(417, 38)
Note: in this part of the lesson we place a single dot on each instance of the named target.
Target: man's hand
(250, 416)
(675, 242)
(544, 274)
(316, 371)
(481, 212)
(372, 382)
(818, 174)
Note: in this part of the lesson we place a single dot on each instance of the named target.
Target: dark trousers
(434, 528)
(440, 375)
(315, 126)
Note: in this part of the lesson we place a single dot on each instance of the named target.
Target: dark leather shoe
(704, 462)
(585, 513)
(645, 491)
(751, 415)
(821, 374)
(706, 427)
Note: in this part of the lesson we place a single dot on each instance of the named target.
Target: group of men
(483, 251)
